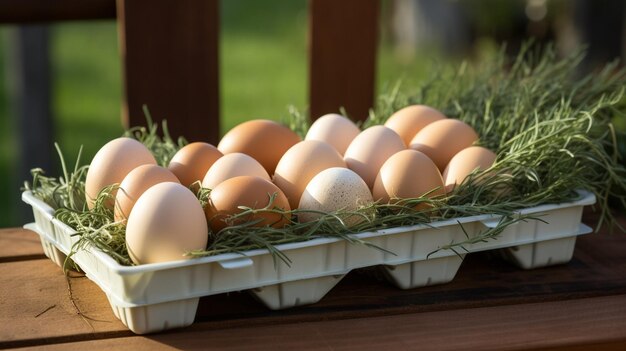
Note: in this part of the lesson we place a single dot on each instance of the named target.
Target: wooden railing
(170, 55)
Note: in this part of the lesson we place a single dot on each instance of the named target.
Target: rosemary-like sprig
(298, 121)
(163, 148)
(66, 191)
(96, 227)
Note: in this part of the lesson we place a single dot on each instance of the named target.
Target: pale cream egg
(166, 222)
(112, 163)
(233, 165)
(335, 129)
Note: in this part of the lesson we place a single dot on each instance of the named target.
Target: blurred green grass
(263, 71)
(7, 144)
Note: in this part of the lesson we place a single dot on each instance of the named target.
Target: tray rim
(586, 198)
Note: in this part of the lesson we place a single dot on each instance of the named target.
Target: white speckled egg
(332, 190)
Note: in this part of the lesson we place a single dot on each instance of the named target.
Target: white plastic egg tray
(155, 297)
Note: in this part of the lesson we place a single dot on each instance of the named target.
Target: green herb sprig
(163, 148)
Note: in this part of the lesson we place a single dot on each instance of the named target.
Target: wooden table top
(489, 305)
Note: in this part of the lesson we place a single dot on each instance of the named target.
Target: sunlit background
(255, 35)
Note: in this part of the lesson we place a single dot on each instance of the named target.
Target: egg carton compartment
(157, 317)
(423, 273)
(42, 213)
(155, 297)
(51, 251)
(55, 231)
(543, 253)
(442, 270)
(296, 293)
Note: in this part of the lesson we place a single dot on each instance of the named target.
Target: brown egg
(166, 222)
(465, 162)
(443, 139)
(233, 165)
(191, 162)
(249, 191)
(112, 163)
(336, 130)
(136, 183)
(266, 141)
(408, 121)
(301, 163)
(407, 174)
(370, 149)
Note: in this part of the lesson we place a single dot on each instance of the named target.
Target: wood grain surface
(18, 244)
(36, 307)
(492, 328)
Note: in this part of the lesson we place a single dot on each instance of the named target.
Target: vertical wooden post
(170, 59)
(342, 65)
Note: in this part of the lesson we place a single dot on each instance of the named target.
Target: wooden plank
(613, 345)
(484, 281)
(599, 321)
(36, 307)
(17, 244)
(33, 11)
(343, 39)
(169, 50)
(598, 269)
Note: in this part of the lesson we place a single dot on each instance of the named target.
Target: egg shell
(443, 139)
(335, 129)
(249, 191)
(465, 162)
(136, 183)
(192, 161)
(233, 165)
(166, 222)
(332, 190)
(266, 141)
(112, 163)
(407, 122)
(408, 174)
(370, 149)
(301, 163)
